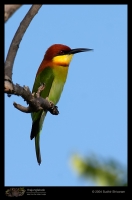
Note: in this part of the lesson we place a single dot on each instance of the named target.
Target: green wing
(47, 77)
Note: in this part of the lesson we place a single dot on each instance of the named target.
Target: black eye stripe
(62, 52)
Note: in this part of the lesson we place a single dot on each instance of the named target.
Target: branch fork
(35, 101)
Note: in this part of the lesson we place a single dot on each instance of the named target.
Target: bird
(52, 72)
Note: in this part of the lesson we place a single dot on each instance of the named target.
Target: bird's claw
(33, 94)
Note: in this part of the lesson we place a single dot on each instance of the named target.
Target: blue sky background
(93, 106)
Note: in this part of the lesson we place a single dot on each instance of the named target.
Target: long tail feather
(37, 148)
(35, 132)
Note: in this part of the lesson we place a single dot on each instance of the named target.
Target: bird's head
(61, 54)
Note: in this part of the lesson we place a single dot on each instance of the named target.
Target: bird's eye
(61, 52)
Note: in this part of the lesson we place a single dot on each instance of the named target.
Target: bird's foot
(50, 102)
(33, 94)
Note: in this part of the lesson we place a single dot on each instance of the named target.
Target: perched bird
(53, 73)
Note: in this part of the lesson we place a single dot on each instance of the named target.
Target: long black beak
(78, 50)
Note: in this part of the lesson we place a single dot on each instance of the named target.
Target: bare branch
(10, 9)
(40, 89)
(35, 101)
(22, 108)
(16, 41)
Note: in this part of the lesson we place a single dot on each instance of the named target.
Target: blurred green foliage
(101, 172)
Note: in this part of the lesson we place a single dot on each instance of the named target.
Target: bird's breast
(60, 75)
(60, 72)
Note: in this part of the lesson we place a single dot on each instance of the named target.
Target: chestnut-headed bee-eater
(53, 73)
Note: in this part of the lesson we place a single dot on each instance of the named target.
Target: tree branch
(10, 9)
(15, 44)
(35, 101)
